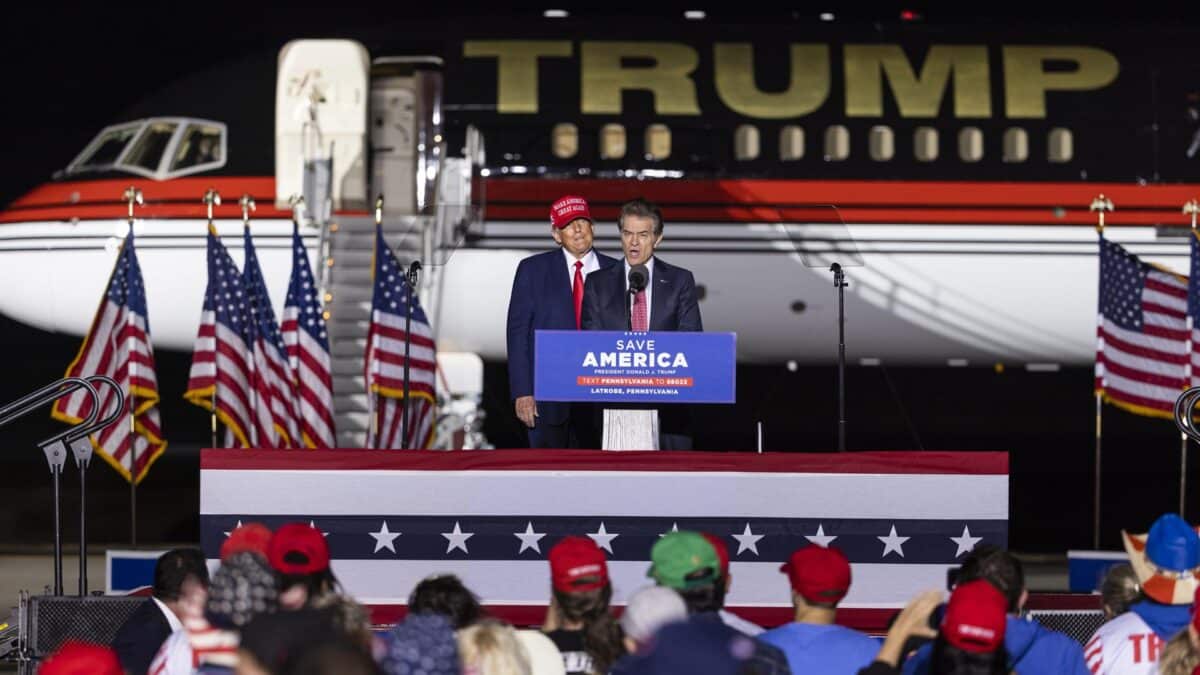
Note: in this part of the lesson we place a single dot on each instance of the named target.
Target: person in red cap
(732, 620)
(547, 294)
(81, 658)
(813, 642)
(579, 622)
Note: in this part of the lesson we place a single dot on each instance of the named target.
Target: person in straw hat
(1166, 561)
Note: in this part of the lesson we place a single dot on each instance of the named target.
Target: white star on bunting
(602, 538)
(313, 525)
(674, 528)
(239, 524)
(820, 538)
(529, 538)
(893, 542)
(747, 540)
(384, 538)
(457, 539)
(966, 543)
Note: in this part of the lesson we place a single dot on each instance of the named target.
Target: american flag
(118, 345)
(385, 359)
(1141, 352)
(307, 342)
(221, 357)
(273, 388)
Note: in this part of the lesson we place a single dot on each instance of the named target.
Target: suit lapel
(558, 285)
(658, 298)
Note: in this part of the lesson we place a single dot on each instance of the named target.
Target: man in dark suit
(178, 572)
(668, 302)
(548, 294)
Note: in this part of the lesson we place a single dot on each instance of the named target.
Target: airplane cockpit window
(200, 146)
(103, 152)
(147, 151)
(158, 148)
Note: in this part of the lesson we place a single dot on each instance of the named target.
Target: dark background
(67, 71)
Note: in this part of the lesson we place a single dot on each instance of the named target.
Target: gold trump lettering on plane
(605, 73)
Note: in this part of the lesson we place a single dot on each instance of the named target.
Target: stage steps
(348, 288)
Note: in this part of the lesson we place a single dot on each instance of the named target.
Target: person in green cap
(686, 562)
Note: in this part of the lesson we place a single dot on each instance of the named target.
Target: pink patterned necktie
(640, 320)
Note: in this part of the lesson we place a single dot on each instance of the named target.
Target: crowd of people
(274, 607)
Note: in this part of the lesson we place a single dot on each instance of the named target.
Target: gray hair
(642, 208)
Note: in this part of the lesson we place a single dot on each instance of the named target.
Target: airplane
(950, 170)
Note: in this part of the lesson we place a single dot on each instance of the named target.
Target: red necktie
(577, 293)
(640, 321)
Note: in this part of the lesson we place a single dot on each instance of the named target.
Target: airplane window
(1016, 145)
(200, 145)
(925, 144)
(881, 143)
(837, 143)
(612, 141)
(791, 143)
(564, 140)
(970, 144)
(148, 149)
(107, 148)
(745, 142)
(658, 142)
(1061, 147)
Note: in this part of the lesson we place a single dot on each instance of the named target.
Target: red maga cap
(298, 548)
(722, 552)
(818, 574)
(567, 209)
(82, 658)
(975, 617)
(254, 537)
(577, 564)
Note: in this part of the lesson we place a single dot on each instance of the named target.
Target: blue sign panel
(617, 367)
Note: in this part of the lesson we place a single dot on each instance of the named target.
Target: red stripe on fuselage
(691, 200)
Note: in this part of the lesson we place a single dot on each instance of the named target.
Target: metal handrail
(46, 394)
(81, 446)
(54, 447)
(1184, 419)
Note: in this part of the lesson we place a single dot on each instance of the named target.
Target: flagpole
(1191, 208)
(372, 402)
(1100, 204)
(211, 198)
(132, 196)
(247, 204)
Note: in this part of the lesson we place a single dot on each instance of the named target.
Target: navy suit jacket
(541, 299)
(673, 304)
(140, 636)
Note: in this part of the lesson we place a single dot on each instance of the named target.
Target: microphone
(638, 275)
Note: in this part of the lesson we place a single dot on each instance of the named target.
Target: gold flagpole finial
(1101, 204)
(1191, 208)
(379, 210)
(247, 204)
(211, 198)
(297, 204)
(133, 195)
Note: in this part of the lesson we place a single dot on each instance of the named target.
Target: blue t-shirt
(812, 648)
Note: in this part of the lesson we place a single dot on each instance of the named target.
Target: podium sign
(624, 367)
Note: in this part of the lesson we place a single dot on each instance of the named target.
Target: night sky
(69, 71)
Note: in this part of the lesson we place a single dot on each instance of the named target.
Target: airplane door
(393, 143)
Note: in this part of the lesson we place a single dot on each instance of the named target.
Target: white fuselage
(925, 294)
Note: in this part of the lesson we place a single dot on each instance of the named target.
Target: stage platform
(393, 518)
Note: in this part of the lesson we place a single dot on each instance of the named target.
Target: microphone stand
(839, 282)
(411, 277)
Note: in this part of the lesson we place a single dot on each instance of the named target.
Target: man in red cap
(547, 294)
(813, 643)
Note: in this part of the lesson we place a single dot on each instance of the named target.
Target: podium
(632, 374)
